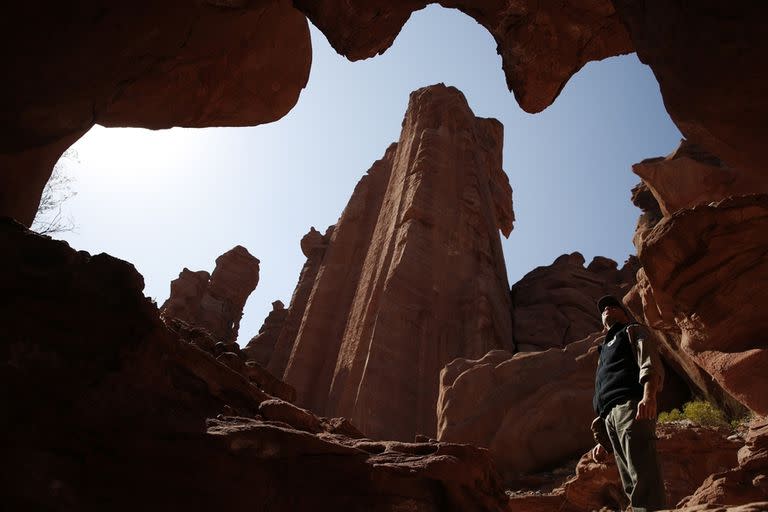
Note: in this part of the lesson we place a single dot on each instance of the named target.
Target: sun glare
(134, 150)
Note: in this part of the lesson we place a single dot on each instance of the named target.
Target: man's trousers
(634, 446)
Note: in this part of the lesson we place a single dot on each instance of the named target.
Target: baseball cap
(608, 300)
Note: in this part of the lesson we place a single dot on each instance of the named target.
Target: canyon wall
(702, 244)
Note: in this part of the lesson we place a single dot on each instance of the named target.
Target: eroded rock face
(413, 275)
(517, 406)
(704, 60)
(144, 64)
(688, 455)
(541, 44)
(262, 346)
(555, 305)
(313, 245)
(700, 241)
(132, 402)
(215, 303)
(639, 300)
(690, 176)
(643, 198)
(707, 272)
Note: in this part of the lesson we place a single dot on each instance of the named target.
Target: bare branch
(49, 218)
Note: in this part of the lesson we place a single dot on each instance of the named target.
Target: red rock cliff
(705, 271)
(413, 275)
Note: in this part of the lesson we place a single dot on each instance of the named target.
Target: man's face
(613, 314)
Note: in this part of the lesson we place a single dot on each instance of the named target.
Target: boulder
(532, 410)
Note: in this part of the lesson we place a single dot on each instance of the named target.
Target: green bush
(699, 412)
(673, 415)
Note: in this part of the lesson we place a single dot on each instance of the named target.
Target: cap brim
(608, 300)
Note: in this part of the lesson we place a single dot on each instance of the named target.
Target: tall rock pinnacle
(412, 275)
(215, 302)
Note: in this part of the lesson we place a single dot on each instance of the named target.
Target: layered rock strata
(230, 355)
(412, 276)
(215, 302)
(145, 64)
(668, 333)
(690, 176)
(553, 306)
(707, 269)
(132, 402)
(703, 249)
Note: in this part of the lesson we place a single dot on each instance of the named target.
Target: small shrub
(673, 415)
(698, 412)
(704, 413)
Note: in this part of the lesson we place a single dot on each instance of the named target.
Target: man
(629, 374)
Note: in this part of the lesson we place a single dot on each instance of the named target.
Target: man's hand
(599, 454)
(646, 408)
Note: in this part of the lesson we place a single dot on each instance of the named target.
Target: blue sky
(169, 199)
